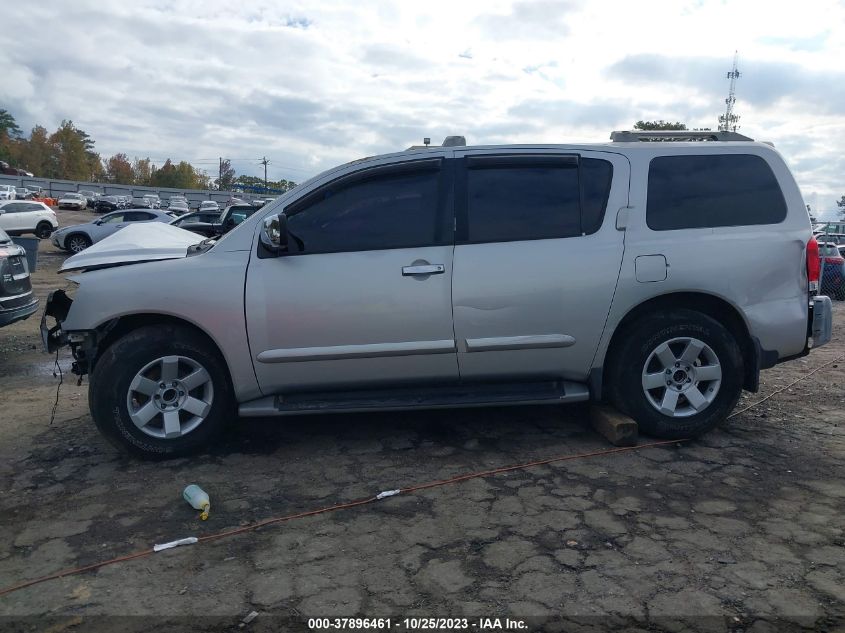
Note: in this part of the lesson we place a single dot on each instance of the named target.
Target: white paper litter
(182, 541)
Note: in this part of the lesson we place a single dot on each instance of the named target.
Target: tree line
(69, 154)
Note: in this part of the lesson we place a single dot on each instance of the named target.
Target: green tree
(75, 161)
(226, 177)
(659, 125)
(39, 154)
(119, 170)
(9, 136)
(254, 181)
(841, 204)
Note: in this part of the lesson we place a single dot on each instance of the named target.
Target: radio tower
(728, 121)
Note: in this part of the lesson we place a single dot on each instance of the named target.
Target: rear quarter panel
(760, 270)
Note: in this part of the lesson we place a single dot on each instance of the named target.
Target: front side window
(535, 197)
(399, 210)
(14, 207)
(687, 192)
(113, 219)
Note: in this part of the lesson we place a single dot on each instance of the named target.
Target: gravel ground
(740, 530)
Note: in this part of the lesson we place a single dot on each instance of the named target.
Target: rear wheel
(43, 230)
(161, 392)
(77, 242)
(677, 374)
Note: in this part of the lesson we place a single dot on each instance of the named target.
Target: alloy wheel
(681, 377)
(170, 397)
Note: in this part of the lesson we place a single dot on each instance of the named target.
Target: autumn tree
(119, 170)
(142, 171)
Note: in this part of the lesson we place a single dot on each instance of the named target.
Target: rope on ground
(790, 385)
(340, 506)
(444, 482)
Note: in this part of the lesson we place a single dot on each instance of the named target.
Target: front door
(537, 259)
(363, 295)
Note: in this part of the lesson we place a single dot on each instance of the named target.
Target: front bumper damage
(83, 345)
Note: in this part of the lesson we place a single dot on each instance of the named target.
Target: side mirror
(274, 234)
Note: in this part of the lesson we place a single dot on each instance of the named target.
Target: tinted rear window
(686, 192)
(507, 202)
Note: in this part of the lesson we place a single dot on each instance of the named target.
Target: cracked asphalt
(741, 530)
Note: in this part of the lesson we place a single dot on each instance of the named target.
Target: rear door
(537, 259)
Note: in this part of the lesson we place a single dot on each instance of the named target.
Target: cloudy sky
(313, 84)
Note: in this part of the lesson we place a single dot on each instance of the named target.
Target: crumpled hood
(142, 242)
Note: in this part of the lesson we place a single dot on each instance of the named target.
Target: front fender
(205, 290)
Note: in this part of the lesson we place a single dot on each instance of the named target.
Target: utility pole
(220, 175)
(264, 162)
(728, 121)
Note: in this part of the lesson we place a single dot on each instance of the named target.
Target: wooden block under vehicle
(618, 428)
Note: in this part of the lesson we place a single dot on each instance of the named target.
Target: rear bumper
(18, 313)
(821, 320)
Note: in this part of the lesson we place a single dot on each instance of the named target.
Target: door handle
(425, 269)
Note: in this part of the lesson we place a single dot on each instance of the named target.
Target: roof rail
(632, 136)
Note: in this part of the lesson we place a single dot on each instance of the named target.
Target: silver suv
(661, 276)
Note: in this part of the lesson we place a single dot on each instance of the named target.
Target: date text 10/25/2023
(417, 624)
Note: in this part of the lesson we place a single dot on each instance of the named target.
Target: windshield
(828, 250)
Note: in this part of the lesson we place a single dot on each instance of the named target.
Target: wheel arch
(112, 330)
(711, 305)
(74, 233)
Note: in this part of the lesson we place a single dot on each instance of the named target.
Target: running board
(437, 397)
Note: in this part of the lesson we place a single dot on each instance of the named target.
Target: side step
(428, 397)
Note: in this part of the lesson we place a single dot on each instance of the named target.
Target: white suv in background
(7, 192)
(27, 216)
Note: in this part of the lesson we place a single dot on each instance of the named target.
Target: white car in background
(72, 201)
(27, 216)
(208, 205)
(7, 192)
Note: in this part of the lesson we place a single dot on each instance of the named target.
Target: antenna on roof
(728, 122)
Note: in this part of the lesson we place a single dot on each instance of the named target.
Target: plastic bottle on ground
(198, 499)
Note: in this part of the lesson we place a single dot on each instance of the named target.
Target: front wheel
(678, 374)
(77, 243)
(160, 392)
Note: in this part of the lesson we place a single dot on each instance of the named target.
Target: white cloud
(313, 84)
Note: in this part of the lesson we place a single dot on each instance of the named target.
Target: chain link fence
(831, 251)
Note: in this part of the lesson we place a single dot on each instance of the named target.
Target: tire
(77, 242)
(707, 388)
(43, 230)
(116, 393)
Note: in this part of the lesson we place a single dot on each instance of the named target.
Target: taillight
(813, 264)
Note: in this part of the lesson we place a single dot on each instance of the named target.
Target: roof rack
(629, 136)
